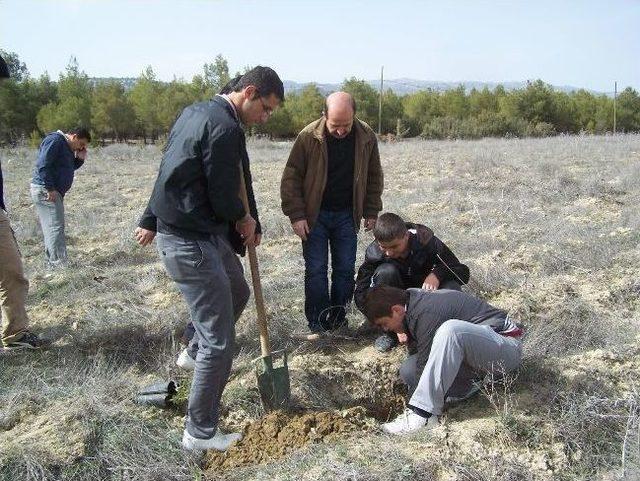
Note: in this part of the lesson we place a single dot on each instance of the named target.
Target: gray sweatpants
(461, 351)
(51, 215)
(197, 268)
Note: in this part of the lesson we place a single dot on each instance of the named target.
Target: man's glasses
(267, 110)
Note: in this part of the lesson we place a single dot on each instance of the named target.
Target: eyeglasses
(267, 110)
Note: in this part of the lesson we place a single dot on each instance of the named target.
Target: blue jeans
(334, 230)
(51, 215)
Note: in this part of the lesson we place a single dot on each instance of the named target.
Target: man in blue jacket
(59, 156)
(13, 284)
(194, 200)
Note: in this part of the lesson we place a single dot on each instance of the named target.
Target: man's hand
(402, 337)
(144, 237)
(81, 154)
(256, 240)
(301, 228)
(246, 227)
(370, 223)
(431, 283)
(52, 195)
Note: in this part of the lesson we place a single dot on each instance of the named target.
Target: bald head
(339, 110)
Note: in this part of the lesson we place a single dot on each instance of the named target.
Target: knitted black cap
(4, 70)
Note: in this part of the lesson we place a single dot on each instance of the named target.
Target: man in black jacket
(406, 255)
(195, 198)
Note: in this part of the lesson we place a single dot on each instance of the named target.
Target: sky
(584, 43)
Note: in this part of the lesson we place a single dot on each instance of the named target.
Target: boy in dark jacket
(459, 339)
(406, 255)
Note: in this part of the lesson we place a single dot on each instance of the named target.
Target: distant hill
(127, 82)
(400, 86)
(405, 86)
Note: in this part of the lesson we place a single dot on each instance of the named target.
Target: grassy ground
(549, 227)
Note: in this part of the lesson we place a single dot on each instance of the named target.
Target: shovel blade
(273, 382)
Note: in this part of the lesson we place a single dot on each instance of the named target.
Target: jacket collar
(226, 105)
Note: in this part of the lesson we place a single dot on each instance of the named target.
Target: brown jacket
(305, 175)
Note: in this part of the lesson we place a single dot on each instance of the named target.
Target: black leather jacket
(427, 255)
(196, 193)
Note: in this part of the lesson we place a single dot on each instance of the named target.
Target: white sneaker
(185, 361)
(219, 442)
(408, 422)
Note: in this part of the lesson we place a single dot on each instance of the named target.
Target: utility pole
(380, 103)
(615, 96)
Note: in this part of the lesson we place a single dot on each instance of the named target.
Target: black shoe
(386, 342)
(29, 340)
(474, 389)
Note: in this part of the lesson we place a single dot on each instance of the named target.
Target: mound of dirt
(280, 433)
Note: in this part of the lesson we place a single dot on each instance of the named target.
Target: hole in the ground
(333, 399)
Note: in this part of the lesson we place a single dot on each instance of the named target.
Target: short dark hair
(380, 299)
(353, 105)
(389, 226)
(264, 79)
(81, 133)
(4, 69)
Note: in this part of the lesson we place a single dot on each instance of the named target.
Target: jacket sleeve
(148, 220)
(291, 185)
(46, 162)
(375, 184)
(253, 208)
(363, 283)
(447, 266)
(221, 160)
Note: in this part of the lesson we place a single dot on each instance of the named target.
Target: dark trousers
(388, 274)
(334, 231)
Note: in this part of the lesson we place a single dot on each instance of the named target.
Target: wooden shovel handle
(265, 346)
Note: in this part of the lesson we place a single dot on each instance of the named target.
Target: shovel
(273, 382)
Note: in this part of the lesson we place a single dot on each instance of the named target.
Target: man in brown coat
(332, 180)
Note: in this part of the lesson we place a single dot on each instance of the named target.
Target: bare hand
(402, 337)
(431, 283)
(255, 242)
(246, 227)
(144, 237)
(81, 154)
(52, 195)
(301, 228)
(370, 223)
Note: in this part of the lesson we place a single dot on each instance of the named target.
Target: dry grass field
(549, 227)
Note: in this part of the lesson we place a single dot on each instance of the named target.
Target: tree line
(30, 107)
